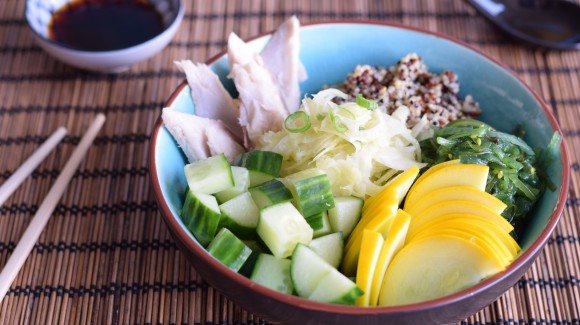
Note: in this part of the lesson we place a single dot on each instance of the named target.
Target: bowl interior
(330, 51)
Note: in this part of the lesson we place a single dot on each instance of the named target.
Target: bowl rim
(522, 259)
(176, 20)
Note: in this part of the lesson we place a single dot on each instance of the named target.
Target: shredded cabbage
(359, 149)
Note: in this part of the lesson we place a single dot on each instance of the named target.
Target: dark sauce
(104, 25)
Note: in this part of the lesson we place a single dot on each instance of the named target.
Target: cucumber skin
(313, 195)
(270, 193)
(266, 162)
(242, 232)
(229, 249)
(201, 221)
(349, 298)
(315, 221)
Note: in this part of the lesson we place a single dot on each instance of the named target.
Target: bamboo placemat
(107, 258)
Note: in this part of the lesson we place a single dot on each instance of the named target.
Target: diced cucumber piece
(270, 193)
(262, 165)
(307, 269)
(311, 191)
(201, 215)
(241, 184)
(229, 249)
(273, 273)
(210, 175)
(336, 288)
(320, 224)
(281, 227)
(257, 245)
(345, 214)
(248, 266)
(330, 247)
(240, 215)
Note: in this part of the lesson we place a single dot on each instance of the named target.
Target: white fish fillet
(200, 137)
(281, 56)
(261, 106)
(211, 99)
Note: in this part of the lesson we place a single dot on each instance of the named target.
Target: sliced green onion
(366, 103)
(297, 122)
(345, 112)
(339, 126)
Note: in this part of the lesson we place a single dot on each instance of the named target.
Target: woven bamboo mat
(107, 258)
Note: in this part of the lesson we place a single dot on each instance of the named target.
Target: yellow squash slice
(393, 243)
(476, 225)
(434, 267)
(458, 207)
(435, 168)
(453, 175)
(372, 242)
(380, 224)
(454, 193)
(481, 241)
(398, 186)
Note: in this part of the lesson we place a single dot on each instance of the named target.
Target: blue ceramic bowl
(330, 51)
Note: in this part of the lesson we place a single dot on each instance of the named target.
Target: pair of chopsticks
(49, 203)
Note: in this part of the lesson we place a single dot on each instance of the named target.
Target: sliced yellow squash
(435, 168)
(434, 267)
(387, 208)
(398, 186)
(371, 244)
(474, 224)
(458, 207)
(453, 193)
(453, 175)
(484, 240)
(393, 243)
(380, 224)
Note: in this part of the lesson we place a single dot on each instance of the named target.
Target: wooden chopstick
(38, 222)
(12, 183)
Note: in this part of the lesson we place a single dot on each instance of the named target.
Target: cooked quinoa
(410, 83)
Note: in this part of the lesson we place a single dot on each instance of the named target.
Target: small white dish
(38, 17)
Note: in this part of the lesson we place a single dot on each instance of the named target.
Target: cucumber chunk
(240, 215)
(345, 214)
(241, 184)
(281, 227)
(315, 279)
(273, 273)
(270, 193)
(336, 288)
(306, 270)
(229, 249)
(210, 175)
(320, 224)
(311, 191)
(330, 247)
(201, 215)
(262, 165)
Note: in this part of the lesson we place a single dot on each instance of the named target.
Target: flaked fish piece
(281, 56)
(200, 137)
(211, 99)
(261, 106)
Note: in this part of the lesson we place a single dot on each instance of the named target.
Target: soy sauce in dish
(104, 25)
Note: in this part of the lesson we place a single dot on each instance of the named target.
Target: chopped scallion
(366, 103)
(297, 122)
(339, 126)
